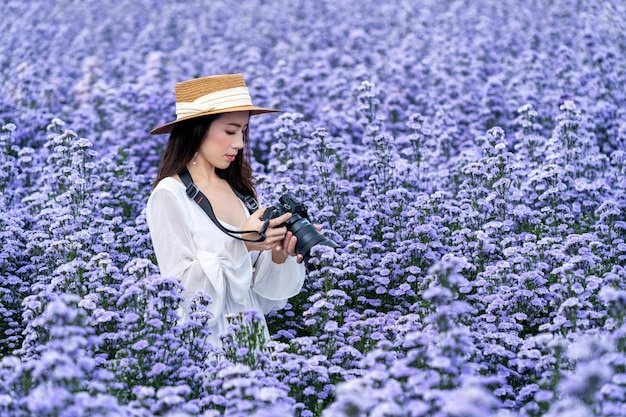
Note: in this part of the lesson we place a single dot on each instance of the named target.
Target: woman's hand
(288, 248)
(274, 235)
(285, 249)
(278, 239)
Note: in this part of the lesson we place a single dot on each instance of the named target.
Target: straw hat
(211, 95)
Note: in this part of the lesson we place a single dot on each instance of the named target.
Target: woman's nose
(238, 142)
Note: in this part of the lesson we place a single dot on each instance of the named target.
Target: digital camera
(298, 224)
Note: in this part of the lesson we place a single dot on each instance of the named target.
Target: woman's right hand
(274, 235)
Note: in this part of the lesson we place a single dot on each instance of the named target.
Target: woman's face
(223, 140)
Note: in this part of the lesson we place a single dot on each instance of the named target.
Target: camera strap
(248, 201)
(196, 195)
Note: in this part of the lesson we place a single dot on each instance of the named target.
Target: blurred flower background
(468, 156)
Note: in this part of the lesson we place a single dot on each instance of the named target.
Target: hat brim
(168, 127)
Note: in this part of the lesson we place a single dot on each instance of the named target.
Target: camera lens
(307, 235)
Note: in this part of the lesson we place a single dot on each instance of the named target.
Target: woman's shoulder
(169, 185)
(167, 200)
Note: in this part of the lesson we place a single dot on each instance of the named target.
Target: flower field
(468, 157)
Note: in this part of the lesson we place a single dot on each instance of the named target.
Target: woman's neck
(203, 174)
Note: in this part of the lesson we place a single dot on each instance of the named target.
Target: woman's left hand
(285, 249)
(288, 248)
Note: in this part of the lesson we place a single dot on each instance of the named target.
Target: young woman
(209, 146)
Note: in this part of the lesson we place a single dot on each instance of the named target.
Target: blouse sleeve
(275, 283)
(226, 268)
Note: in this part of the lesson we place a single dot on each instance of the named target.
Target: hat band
(219, 100)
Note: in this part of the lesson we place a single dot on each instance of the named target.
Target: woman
(209, 146)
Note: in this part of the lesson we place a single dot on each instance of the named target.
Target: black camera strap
(196, 195)
(248, 201)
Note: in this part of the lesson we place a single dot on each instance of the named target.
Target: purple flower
(140, 345)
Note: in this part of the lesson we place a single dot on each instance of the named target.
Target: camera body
(287, 204)
(306, 234)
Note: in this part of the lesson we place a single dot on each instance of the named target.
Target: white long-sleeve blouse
(189, 246)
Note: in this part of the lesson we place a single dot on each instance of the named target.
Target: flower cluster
(467, 157)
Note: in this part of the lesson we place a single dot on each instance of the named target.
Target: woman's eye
(230, 133)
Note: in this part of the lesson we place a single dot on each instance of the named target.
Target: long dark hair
(185, 141)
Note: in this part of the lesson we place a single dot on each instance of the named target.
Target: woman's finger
(291, 247)
(280, 219)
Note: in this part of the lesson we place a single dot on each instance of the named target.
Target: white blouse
(189, 246)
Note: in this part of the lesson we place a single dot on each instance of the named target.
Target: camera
(298, 224)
